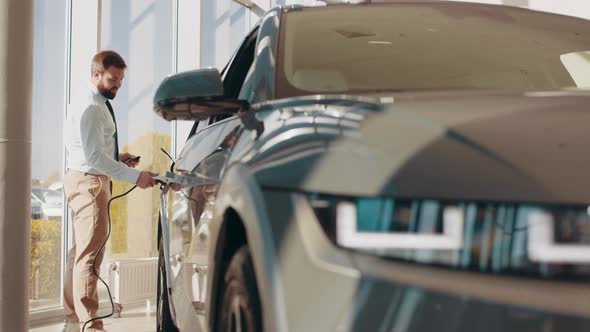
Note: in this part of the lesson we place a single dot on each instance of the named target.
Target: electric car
(397, 166)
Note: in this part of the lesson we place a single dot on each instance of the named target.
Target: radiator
(133, 281)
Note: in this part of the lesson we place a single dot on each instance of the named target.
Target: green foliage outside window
(45, 264)
(118, 240)
(152, 159)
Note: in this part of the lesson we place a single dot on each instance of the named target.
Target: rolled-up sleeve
(94, 147)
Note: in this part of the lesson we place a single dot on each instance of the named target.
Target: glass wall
(225, 23)
(142, 32)
(47, 154)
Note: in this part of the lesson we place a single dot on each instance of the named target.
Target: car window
(413, 47)
(233, 75)
(198, 126)
(236, 73)
(194, 129)
(237, 70)
(201, 146)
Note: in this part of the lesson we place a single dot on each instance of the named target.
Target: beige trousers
(88, 196)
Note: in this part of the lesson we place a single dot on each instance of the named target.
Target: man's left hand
(124, 157)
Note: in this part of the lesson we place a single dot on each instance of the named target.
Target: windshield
(434, 46)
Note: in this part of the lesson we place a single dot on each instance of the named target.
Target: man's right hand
(146, 180)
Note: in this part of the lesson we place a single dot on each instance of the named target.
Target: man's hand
(146, 179)
(125, 157)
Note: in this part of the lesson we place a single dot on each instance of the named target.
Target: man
(93, 159)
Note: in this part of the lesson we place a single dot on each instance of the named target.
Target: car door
(204, 156)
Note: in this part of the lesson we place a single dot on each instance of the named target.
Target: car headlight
(559, 236)
(388, 224)
(469, 235)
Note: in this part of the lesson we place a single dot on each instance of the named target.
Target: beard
(107, 93)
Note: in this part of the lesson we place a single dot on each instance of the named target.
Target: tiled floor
(136, 320)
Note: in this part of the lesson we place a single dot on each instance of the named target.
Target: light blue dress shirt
(90, 139)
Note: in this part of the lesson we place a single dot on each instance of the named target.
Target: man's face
(109, 82)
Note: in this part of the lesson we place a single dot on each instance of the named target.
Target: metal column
(16, 74)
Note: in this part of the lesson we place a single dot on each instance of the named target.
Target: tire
(240, 307)
(164, 322)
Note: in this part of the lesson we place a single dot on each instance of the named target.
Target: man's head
(108, 71)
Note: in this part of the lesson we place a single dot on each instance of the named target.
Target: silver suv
(403, 166)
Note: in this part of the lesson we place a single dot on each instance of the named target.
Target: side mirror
(194, 95)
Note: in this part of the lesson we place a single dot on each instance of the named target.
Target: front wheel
(164, 322)
(240, 308)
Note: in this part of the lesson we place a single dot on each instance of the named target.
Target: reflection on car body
(424, 172)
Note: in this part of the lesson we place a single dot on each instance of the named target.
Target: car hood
(494, 147)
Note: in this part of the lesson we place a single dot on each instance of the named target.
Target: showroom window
(225, 24)
(153, 37)
(142, 32)
(47, 205)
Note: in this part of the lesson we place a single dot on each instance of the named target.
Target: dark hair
(104, 59)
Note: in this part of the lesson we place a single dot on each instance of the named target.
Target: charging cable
(162, 184)
(99, 250)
